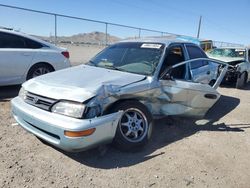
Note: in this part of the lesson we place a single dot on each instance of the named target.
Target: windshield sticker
(156, 46)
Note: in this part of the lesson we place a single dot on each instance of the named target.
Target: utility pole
(199, 28)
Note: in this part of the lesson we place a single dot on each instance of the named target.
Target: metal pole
(106, 34)
(199, 28)
(55, 29)
(139, 32)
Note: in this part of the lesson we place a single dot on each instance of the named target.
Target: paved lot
(213, 152)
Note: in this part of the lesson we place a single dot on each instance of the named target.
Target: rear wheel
(241, 81)
(38, 70)
(135, 126)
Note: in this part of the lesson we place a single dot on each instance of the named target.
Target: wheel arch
(42, 63)
(37, 64)
(109, 108)
(247, 76)
(122, 139)
(245, 71)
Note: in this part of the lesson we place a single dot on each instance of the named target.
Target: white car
(23, 57)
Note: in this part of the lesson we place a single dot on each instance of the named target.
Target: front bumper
(50, 126)
(231, 76)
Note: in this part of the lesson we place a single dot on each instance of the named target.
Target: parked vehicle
(206, 45)
(118, 93)
(238, 60)
(23, 57)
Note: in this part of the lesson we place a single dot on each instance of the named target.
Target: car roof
(164, 40)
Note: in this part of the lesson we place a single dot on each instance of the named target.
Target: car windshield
(134, 57)
(227, 52)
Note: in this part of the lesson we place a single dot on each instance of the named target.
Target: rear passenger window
(33, 44)
(195, 52)
(11, 41)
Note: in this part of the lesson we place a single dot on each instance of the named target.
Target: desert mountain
(84, 38)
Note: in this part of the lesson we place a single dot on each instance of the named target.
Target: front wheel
(135, 126)
(241, 81)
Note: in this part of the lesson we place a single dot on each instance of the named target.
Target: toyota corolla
(115, 97)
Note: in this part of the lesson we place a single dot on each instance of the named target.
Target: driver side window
(174, 56)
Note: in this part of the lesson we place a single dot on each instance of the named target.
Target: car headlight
(68, 108)
(22, 93)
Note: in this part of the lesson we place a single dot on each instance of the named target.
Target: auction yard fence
(140, 32)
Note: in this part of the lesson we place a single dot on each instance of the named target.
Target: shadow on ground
(232, 85)
(166, 131)
(7, 92)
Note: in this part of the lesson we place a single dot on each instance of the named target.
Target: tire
(241, 81)
(135, 126)
(38, 70)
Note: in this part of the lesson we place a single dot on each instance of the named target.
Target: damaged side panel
(166, 96)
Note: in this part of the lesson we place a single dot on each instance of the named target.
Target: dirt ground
(82, 54)
(213, 152)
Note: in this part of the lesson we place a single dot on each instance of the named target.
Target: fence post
(55, 29)
(139, 32)
(106, 34)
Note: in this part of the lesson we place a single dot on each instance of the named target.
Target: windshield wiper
(91, 63)
(112, 67)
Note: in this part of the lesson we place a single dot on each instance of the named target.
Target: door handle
(210, 96)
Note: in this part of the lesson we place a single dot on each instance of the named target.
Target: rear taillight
(65, 54)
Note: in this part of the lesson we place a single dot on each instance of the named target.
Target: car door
(15, 58)
(201, 70)
(186, 97)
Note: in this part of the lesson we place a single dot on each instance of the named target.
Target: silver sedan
(115, 97)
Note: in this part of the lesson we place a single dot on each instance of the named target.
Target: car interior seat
(173, 59)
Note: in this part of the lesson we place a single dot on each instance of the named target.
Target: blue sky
(223, 20)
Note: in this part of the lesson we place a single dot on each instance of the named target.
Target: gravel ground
(213, 152)
(82, 54)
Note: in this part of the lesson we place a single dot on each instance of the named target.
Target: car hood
(79, 83)
(226, 59)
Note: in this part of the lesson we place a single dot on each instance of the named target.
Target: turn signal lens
(79, 133)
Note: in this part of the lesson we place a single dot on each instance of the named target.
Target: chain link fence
(82, 37)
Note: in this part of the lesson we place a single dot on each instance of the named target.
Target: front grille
(39, 101)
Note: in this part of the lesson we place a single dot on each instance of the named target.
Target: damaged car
(238, 60)
(118, 93)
